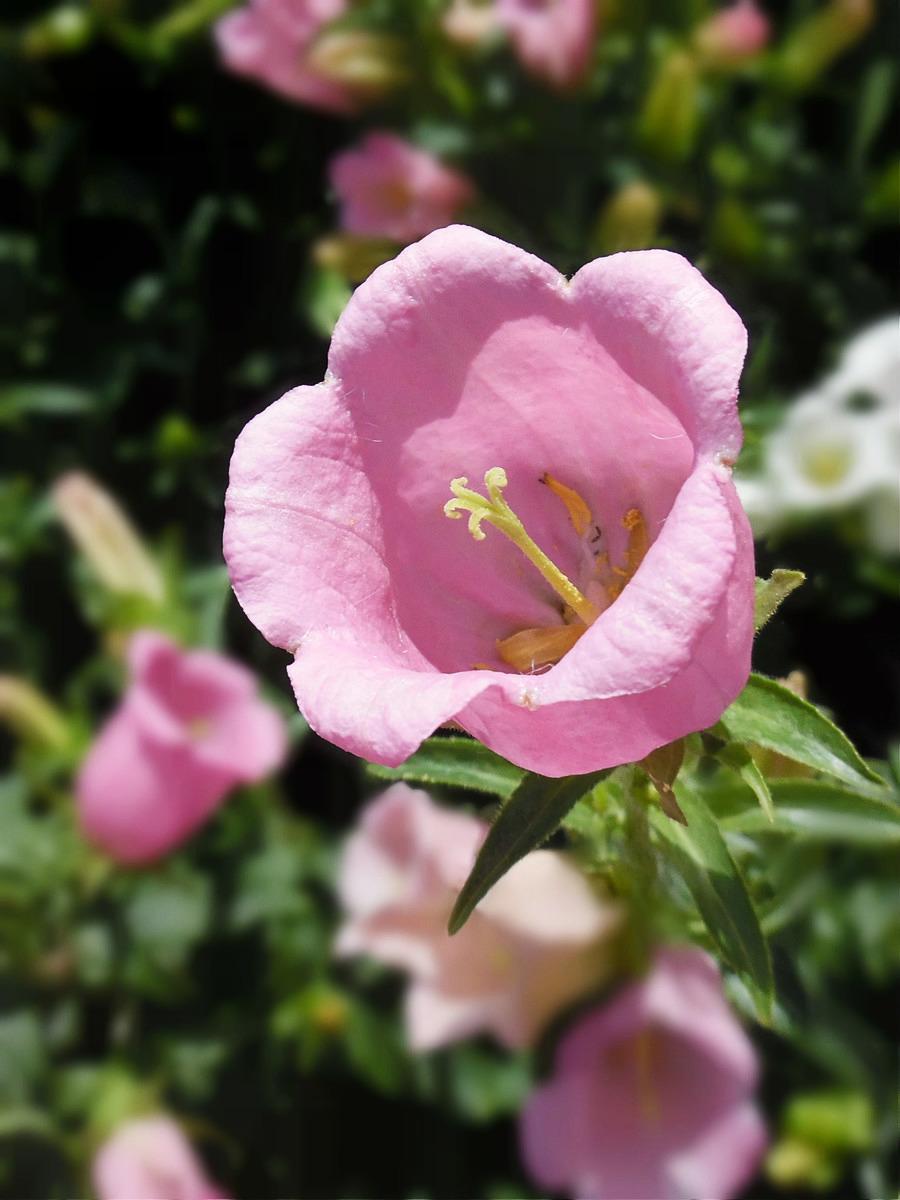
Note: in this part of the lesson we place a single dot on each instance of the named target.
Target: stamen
(498, 513)
(578, 509)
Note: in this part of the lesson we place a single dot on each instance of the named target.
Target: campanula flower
(149, 1158)
(389, 188)
(538, 941)
(272, 41)
(554, 39)
(189, 729)
(597, 600)
(651, 1094)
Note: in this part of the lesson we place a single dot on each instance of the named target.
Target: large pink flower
(389, 188)
(150, 1159)
(609, 402)
(532, 946)
(553, 38)
(189, 729)
(269, 41)
(651, 1094)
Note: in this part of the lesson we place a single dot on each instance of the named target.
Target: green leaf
(736, 756)
(771, 592)
(455, 762)
(19, 400)
(527, 819)
(769, 715)
(699, 854)
(823, 810)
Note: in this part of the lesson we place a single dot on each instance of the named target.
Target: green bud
(629, 220)
(670, 116)
(813, 45)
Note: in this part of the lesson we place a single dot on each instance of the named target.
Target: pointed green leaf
(699, 854)
(823, 810)
(527, 819)
(736, 756)
(771, 592)
(769, 715)
(455, 762)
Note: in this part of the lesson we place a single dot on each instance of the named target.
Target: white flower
(839, 446)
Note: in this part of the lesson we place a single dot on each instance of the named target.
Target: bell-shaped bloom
(554, 39)
(651, 1095)
(149, 1158)
(271, 41)
(732, 36)
(189, 729)
(538, 941)
(608, 607)
(389, 188)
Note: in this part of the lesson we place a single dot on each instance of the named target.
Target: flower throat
(533, 649)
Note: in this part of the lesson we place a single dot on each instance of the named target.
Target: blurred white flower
(838, 446)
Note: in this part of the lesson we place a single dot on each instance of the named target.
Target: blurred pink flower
(532, 946)
(389, 188)
(553, 38)
(651, 1094)
(733, 35)
(150, 1159)
(616, 391)
(269, 41)
(189, 729)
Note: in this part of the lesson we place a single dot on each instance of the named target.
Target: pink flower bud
(732, 36)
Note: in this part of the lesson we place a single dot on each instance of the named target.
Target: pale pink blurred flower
(389, 188)
(462, 356)
(189, 729)
(651, 1094)
(469, 22)
(271, 40)
(553, 38)
(149, 1158)
(733, 35)
(538, 941)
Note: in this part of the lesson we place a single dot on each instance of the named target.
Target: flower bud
(63, 30)
(353, 255)
(629, 220)
(368, 64)
(815, 43)
(732, 36)
(106, 537)
(30, 714)
(668, 122)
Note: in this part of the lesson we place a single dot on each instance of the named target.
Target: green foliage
(528, 817)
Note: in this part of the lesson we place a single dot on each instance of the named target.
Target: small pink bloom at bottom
(651, 1094)
(389, 188)
(151, 1159)
(189, 729)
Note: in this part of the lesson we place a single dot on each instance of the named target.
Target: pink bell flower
(389, 188)
(607, 607)
(554, 39)
(733, 35)
(270, 41)
(149, 1158)
(651, 1094)
(537, 942)
(189, 729)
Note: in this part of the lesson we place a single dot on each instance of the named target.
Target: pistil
(497, 512)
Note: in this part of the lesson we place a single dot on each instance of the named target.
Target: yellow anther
(578, 509)
(495, 510)
(638, 543)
